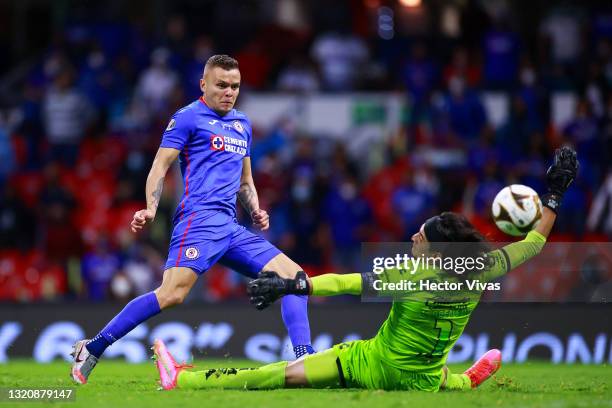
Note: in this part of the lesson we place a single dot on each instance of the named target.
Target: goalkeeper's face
(420, 244)
(220, 88)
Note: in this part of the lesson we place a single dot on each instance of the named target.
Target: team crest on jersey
(171, 125)
(217, 143)
(191, 253)
(238, 126)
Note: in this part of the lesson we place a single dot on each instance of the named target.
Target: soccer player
(212, 141)
(410, 350)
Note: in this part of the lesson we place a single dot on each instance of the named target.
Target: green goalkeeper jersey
(419, 333)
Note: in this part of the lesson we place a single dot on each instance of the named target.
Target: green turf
(116, 384)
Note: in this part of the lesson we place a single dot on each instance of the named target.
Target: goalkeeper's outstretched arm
(558, 179)
(332, 284)
(269, 286)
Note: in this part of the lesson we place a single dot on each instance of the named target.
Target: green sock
(270, 376)
(457, 382)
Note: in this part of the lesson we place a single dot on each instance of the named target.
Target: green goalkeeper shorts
(363, 368)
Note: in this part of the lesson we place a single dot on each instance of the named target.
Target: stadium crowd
(75, 149)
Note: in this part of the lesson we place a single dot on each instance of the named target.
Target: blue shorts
(201, 239)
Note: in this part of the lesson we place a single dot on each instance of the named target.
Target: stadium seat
(28, 186)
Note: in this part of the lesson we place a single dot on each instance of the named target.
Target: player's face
(220, 88)
(420, 244)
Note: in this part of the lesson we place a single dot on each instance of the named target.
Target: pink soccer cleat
(166, 366)
(485, 367)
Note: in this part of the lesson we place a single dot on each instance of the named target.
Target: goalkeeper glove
(559, 177)
(268, 287)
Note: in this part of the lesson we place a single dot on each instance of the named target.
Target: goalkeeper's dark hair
(462, 239)
(224, 61)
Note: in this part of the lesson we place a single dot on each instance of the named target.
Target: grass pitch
(117, 384)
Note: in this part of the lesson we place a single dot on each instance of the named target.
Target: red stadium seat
(96, 190)
(378, 191)
(120, 219)
(20, 149)
(28, 186)
(102, 153)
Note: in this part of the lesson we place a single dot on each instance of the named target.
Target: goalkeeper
(410, 349)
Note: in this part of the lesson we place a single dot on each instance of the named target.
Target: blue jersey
(212, 149)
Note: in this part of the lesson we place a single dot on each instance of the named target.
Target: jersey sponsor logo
(212, 122)
(191, 253)
(238, 126)
(171, 125)
(217, 143)
(228, 144)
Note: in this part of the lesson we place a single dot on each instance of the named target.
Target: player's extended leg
(174, 288)
(250, 254)
(294, 309)
(317, 371)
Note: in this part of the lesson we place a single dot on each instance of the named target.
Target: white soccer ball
(517, 209)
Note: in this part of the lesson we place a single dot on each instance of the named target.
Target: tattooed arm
(248, 197)
(155, 183)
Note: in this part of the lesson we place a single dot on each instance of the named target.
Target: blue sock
(137, 311)
(302, 350)
(295, 315)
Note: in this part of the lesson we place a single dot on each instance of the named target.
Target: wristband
(552, 201)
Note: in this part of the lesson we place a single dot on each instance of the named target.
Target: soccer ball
(517, 209)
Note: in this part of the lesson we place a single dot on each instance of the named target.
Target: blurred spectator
(573, 212)
(31, 127)
(606, 131)
(98, 268)
(98, 80)
(562, 33)
(298, 76)
(340, 56)
(465, 111)
(595, 88)
(7, 156)
(583, 133)
(348, 216)
(600, 216)
(464, 66)
(419, 74)
(121, 288)
(203, 48)
(501, 57)
(514, 135)
(177, 42)
(530, 168)
(156, 83)
(255, 65)
(143, 268)
(304, 207)
(17, 222)
(61, 237)
(412, 205)
(533, 96)
(489, 184)
(67, 114)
